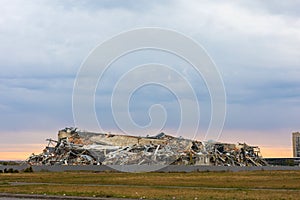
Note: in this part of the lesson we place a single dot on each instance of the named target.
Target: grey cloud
(255, 45)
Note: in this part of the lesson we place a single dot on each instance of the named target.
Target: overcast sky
(255, 45)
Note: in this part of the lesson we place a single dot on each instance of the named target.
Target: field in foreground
(197, 185)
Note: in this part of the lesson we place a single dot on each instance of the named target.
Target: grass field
(198, 185)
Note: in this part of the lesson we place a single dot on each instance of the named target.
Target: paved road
(13, 198)
(157, 186)
(8, 196)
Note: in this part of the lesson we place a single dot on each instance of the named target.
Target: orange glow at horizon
(267, 152)
(20, 152)
(276, 152)
(14, 155)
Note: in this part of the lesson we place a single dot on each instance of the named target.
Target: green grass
(199, 185)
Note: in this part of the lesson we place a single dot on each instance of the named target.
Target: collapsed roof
(75, 147)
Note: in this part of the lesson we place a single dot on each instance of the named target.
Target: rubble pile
(75, 147)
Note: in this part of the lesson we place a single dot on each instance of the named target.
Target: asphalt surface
(8, 196)
(157, 186)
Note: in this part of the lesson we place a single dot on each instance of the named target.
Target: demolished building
(75, 147)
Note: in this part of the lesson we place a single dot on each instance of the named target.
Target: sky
(254, 44)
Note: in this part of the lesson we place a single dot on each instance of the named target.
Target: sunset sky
(254, 44)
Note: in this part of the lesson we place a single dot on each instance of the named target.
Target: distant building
(296, 144)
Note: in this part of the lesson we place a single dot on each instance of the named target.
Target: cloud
(256, 46)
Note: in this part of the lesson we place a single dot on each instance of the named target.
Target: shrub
(28, 169)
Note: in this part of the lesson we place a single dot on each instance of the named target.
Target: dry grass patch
(201, 185)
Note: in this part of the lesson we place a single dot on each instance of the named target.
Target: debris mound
(75, 147)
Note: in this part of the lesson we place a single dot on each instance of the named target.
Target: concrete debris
(75, 147)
